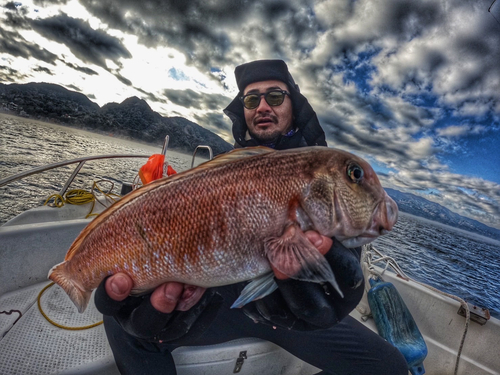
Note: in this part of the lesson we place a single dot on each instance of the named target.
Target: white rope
(368, 257)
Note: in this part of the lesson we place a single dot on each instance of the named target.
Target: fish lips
(384, 218)
(363, 238)
(357, 241)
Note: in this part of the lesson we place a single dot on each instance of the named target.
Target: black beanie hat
(263, 70)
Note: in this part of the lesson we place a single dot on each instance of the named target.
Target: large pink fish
(228, 219)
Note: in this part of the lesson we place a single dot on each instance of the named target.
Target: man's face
(266, 123)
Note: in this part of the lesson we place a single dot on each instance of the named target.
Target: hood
(305, 119)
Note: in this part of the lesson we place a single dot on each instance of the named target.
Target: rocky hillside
(421, 207)
(132, 118)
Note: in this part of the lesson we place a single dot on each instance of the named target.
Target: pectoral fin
(257, 288)
(295, 256)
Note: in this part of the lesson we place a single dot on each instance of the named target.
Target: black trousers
(347, 348)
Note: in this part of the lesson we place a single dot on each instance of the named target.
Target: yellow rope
(108, 195)
(77, 197)
(57, 324)
(81, 197)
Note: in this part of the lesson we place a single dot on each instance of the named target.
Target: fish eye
(355, 173)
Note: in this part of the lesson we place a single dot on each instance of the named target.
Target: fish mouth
(357, 241)
(383, 219)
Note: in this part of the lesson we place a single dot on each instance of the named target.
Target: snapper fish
(227, 220)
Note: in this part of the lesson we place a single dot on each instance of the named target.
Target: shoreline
(7, 114)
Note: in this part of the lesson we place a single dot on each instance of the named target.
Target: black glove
(140, 319)
(303, 305)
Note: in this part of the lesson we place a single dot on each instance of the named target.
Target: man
(293, 123)
(307, 319)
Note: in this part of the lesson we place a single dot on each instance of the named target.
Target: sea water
(454, 261)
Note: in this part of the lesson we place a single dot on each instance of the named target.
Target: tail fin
(79, 296)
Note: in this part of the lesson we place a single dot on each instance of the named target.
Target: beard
(267, 135)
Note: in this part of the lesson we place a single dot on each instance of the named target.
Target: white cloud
(460, 130)
(453, 131)
(422, 148)
(474, 108)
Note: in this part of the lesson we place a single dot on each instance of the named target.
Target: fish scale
(216, 224)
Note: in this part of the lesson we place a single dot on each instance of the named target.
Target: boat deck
(34, 346)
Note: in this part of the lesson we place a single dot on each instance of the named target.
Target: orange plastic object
(153, 169)
(170, 171)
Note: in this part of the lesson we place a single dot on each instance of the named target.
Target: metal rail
(81, 161)
(200, 147)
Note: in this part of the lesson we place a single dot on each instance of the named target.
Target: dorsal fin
(236, 154)
(233, 155)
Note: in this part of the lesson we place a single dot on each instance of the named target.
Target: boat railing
(80, 161)
(201, 147)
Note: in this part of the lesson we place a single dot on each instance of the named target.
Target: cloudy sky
(412, 86)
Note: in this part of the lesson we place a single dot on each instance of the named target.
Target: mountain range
(418, 206)
(134, 118)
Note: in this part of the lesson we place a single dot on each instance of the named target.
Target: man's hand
(165, 298)
(303, 305)
(173, 311)
(177, 296)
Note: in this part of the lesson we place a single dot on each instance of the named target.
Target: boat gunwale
(47, 167)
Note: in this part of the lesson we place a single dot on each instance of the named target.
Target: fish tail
(78, 295)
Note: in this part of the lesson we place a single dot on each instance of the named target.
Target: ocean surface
(449, 259)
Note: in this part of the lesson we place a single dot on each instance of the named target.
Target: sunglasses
(273, 98)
